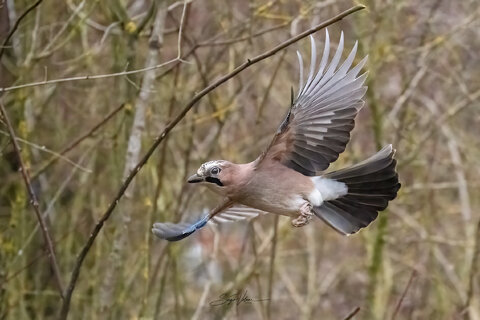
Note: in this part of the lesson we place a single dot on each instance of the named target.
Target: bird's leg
(305, 215)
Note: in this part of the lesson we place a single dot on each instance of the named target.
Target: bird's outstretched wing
(226, 212)
(317, 127)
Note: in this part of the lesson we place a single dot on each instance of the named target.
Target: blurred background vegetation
(79, 139)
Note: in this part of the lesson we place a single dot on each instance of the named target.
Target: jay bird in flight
(284, 178)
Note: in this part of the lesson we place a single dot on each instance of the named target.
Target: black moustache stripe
(214, 180)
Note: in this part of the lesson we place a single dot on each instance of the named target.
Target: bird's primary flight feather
(317, 128)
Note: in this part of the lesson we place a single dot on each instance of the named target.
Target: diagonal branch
(121, 236)
(404, 293)
(34, 202)
(17, 23)
(352, 313)
(77, 141)
(46, 150)
(98, 227)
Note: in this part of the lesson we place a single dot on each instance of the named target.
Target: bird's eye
(215, 170)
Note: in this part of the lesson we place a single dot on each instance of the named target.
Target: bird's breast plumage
(277, 189)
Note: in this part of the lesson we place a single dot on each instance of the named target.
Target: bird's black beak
(195, 179)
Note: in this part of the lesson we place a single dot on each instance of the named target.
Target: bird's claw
(304, 217)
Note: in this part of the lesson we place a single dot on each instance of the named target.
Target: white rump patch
(315, 198)
(330, 189)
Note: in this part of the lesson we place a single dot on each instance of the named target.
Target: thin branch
(77, 141)
(120, 236)
(352, 314)
(295, 295)
(208, 285)
(271, 267)
(178, 3)
(458, 166)
(269, 88)
(51, 203)
(180, 30)
(34, 202)
(89, 77)
(31, 262)
(46, 150)
(178, 58)
(473, 271)
(46, 51)
(98, 227)
(15, 26)
(423, 66)
(400, 301)
(244, 38)
(311, 298)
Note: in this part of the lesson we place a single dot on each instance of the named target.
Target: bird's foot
(304, 217)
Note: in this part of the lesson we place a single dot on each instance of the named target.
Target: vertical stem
(311, 295)
(375, 264)
(133, 154)
(158, 304)
(469, 314)
(34, 202)
(272, 266)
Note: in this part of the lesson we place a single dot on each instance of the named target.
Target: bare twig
(413, 85)
(98, 227)
(311, 299)
(400, 301)
(88, 77)
(34, 202)
(453, 111)
(208, 285)
(352, 314)
(31, 262)
(269, 87)
(132, 155)
(463, 192)
(182, 25)
(473, 273)
(77, 141)
(15, 26)
(440, 257)
(46, 150)
(244, 38)
(290, 286)
(50, 205)
(178, 58)
(46, 51)
(272, 266)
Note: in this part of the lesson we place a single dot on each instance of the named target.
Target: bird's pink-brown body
(252, 186)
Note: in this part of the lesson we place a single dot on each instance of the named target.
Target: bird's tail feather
(371, 184)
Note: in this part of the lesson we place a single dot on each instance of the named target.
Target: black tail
(371, 184)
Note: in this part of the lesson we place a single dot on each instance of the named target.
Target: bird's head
(213, 174)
